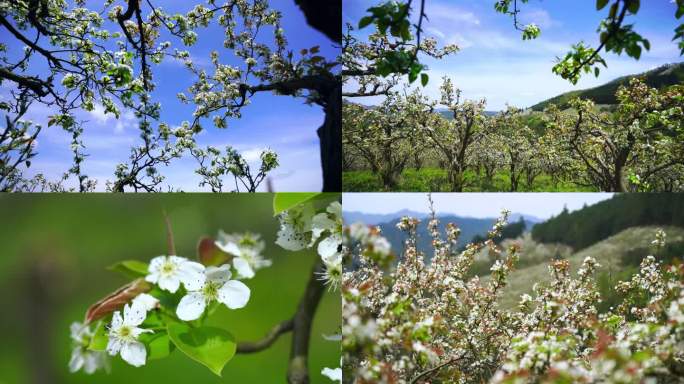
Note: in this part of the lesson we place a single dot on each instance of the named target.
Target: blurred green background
(55, 250)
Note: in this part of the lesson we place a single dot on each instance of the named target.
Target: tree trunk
(298, 369)
(330, 137)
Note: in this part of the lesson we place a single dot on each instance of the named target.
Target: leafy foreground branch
(426, 322)
(171, 298)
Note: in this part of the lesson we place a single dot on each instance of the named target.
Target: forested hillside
(663, 76)
(584, 227)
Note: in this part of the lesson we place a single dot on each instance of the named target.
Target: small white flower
(124, 332)
(217, 286)
(146, 301)
(295, 228)
(330, 222)
(81, 356)
(169, 271)
(246, 249)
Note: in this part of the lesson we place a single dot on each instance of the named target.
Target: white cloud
(538, 16)
(252, 155)
(125, 121)
(451, 14)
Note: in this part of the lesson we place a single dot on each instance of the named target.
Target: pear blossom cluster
(191, 290)
(301, 227)
(423, 318)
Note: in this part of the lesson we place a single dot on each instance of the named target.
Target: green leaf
(158, 344)
(131, 268)
(633, 6)
(210, 346)
(600, 4)
(424, 78)
(100, 339)
(284, 201)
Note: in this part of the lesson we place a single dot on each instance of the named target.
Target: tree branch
(268, 340)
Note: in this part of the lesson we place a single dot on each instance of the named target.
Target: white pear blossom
(246, 249)
(169, 271)
(146, 301)
(329, 222)
(295, 227)
(124, 333)
(81, 356)
(217, 286)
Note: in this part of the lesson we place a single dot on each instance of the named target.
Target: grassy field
(55, 252)
(607, 252)
(435, 180)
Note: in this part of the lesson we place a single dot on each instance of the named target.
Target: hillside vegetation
(663, 76)
(608, 253)
(591, 224)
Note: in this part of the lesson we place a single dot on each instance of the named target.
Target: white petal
(134, 314)
(152, 277)
(336, 337)
(329, 246)
(113, 346)
(291, 240)
(234, 294)
(333, 374)
(336, 209)
(322, 222)
(116, 320)
(146, 301)
(91, 362)
(76, 330)
(192, 275)
(228, 247)
(134, 353)
(178, 260)
(218, 274)
(169, 283)
(76, 361)
(243, 268)
(135, 331)
(156, 264)
(191, 306)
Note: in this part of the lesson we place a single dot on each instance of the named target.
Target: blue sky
(494, 63)
(282, 123)
(479, 205)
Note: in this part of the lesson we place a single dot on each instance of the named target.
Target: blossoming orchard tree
(167, 305)
(635, 145)
(407, 320)
(382, 135)
(630, 148)
(67, 57)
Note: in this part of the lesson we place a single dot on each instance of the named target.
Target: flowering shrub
(406, 320)
(171, 297)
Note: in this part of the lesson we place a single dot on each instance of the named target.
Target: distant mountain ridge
(469, 226)
(663, 76)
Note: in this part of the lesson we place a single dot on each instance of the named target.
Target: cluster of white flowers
(202, 285)
(301, 227)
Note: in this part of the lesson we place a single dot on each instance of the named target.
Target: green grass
(435, 180)
(70, 240)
